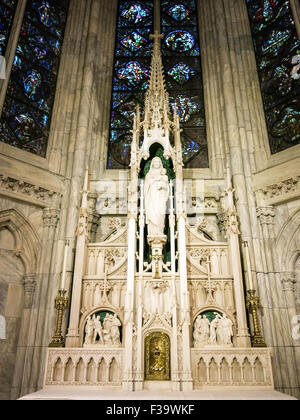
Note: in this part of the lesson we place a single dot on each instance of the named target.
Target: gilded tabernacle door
(157, 357)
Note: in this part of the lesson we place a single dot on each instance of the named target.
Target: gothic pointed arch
(27, 243)
(288, 243)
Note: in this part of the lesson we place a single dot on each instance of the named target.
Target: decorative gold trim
(253, 304)
(157, 357)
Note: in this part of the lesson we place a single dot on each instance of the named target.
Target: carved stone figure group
(217, 332)
(106, 333)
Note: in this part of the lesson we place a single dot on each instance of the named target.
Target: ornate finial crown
(157, 124)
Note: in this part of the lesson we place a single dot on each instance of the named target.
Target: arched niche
(288, 251)
(213, 327)
(19, 252)
(157, 150)
(288, 243)
(103, 327)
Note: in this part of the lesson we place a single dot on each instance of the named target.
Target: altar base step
(93, 393)
(154, 386)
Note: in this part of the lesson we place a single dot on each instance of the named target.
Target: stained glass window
(277, 49)
(7, 12)
(182, 63)
(28, 105)
(183, 74)
(131, 75)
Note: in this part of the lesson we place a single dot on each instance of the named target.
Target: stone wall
(11, 305)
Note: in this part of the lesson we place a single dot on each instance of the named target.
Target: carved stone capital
(288, 280)
(265, 215)
(50, 217)
(157, 242)
(29, 290)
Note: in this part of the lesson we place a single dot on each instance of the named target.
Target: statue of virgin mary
(156, 198)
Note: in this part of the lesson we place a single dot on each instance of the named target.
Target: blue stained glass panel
(183, 70)
(134, 42)
(274, 41)
(182, 62)
(45, 12)
(30, 95)
(32, 84)
(181, 73)
(180, 41)
(277, 49)
(179, 12)
(135, 13)
(190, 149)
(186, 107)
(131, 75)
(7, 13)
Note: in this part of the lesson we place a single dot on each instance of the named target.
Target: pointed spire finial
(157, 81)
(156, 121)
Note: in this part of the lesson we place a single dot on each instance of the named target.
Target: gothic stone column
(276, 305)
(39, 334)
(288, 284)
(30, 284)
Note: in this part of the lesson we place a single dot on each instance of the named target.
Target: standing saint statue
(156, 197)
(98, 331)
(89, 331)
(227, 331)
(115, 330)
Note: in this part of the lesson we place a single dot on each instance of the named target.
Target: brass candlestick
(253, 304)
(61, 304)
